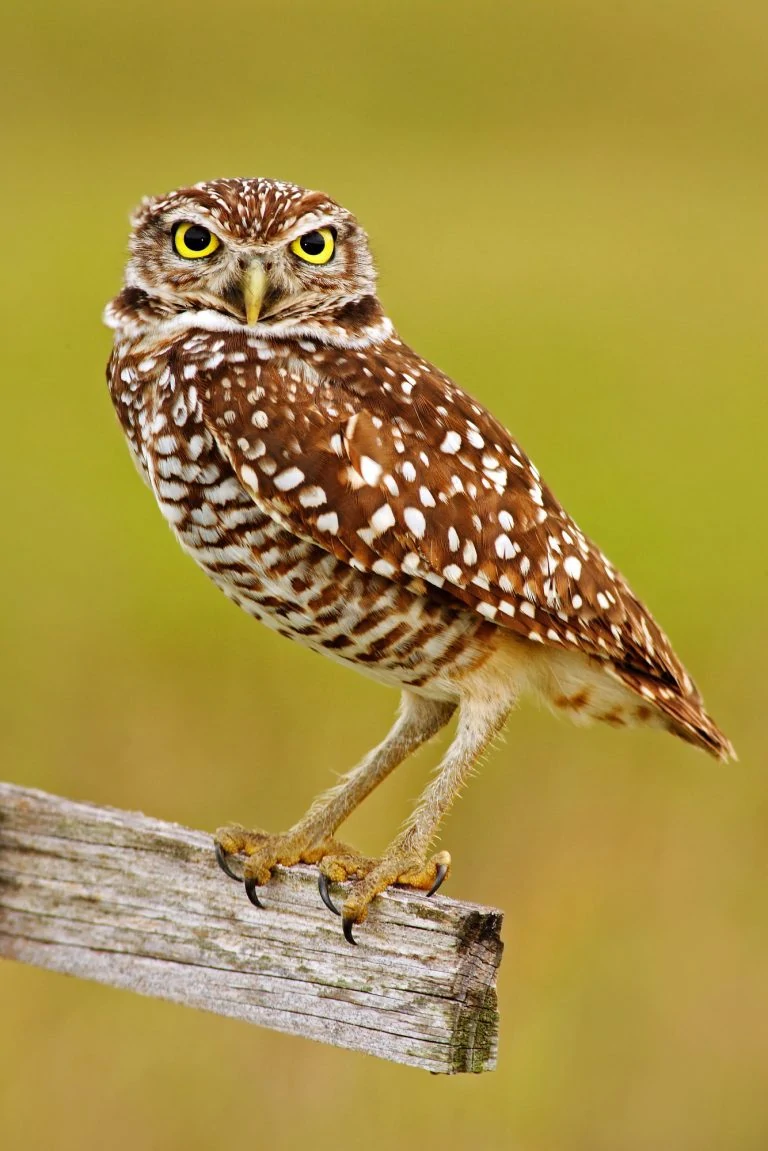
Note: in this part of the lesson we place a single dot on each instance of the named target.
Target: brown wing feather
(384, 461)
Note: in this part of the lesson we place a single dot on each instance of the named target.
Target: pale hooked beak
(254, 290)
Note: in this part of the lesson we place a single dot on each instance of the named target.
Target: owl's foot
(338, 862)
(263, 853)
(372, 876)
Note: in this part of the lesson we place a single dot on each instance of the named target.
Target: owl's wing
(400, 473)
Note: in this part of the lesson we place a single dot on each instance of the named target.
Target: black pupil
(313, 243)
(197, 238)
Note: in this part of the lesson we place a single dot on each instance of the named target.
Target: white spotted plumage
(313, 445)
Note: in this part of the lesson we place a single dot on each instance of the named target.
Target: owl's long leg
(313, 836)
(406, 860)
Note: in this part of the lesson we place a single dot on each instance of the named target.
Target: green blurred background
(567, 202)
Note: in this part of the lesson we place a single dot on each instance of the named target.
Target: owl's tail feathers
(683, 713)
(698, 728)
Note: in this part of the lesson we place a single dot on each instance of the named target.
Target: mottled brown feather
(341, 488)
(342, 425)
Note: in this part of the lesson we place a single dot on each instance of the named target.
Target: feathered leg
(406, 861)
(312, 837)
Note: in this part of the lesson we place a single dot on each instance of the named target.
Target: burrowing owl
(348, 494)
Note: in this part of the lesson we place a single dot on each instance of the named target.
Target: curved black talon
(250, 891)
(325, 895)
(442, 871)
(221, 859)
(347, 925)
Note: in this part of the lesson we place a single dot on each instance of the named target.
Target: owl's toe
(325, 895)
(250, 885)
(262, 853)
(441, 871)
(347, 923)
(370, 877)
(221, 859)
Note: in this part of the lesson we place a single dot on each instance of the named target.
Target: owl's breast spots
(288, 583)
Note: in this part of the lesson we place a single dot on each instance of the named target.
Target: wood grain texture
(140, 904)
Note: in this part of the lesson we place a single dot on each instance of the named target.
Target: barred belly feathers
(348, 494)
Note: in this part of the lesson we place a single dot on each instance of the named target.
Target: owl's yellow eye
(192, 241)
(315, 247)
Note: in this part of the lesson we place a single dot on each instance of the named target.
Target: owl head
(255, 253)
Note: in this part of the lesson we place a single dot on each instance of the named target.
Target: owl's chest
(286, 581)
(214, 519)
